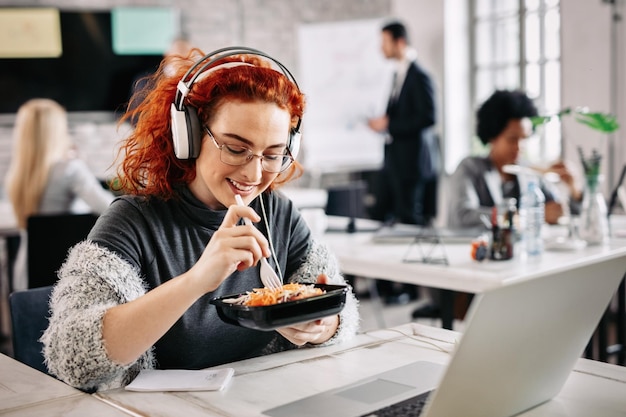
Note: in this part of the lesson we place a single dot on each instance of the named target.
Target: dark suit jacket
(411, 121)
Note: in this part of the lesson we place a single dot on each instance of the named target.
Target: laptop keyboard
(411, 407)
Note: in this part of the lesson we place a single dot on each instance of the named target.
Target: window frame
(546, 143)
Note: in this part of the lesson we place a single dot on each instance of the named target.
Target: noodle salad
(268, 296)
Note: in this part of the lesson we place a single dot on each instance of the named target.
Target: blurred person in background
(45, 176)
(479, 182)
(406, 186)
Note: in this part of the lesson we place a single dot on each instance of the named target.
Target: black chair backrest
(29, 319)
(49, 239)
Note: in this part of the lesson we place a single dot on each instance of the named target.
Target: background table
(359, 255)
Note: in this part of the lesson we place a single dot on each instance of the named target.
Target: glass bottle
(594, 223)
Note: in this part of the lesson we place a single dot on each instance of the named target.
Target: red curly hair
(149, 166)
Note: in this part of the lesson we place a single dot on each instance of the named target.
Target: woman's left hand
(316, 332)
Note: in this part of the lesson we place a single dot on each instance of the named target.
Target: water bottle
(531, 219)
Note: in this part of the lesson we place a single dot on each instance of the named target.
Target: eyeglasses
(237, 155)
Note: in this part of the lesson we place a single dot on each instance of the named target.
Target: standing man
(409, 164)
(406, 186)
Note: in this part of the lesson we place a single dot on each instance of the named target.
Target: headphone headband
(188, 80)
(186, 129)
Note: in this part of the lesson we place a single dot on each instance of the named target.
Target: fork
(269, 278)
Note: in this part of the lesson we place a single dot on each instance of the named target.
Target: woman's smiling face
(259, 126)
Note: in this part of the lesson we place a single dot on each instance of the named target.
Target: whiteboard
(346, 80)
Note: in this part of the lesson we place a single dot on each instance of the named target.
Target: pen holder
(502, 244)
(503, 230)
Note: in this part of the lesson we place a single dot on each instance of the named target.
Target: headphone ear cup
(186, 132)
(179, 132)
(293, 146)
(294, 143)
(195, 131)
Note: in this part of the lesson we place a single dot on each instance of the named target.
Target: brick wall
(269, 25)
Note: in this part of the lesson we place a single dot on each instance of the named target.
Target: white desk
(593, 388)
(25, 391)
(358, 255)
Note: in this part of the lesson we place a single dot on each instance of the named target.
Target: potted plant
(593, 218)
(602, 122)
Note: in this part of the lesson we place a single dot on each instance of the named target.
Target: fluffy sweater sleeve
(319, 260)
(92, 280)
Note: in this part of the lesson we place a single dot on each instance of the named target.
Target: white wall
(586, 78)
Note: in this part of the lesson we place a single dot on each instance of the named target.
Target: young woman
(137, 293)
(479, 182)
(44, 176)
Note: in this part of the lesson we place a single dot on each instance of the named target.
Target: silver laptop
(402, 233)
(519, 347)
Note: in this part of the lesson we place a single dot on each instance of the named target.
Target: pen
(485, 220)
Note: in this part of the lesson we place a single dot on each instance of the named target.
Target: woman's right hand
(232, 247)
(130, 329)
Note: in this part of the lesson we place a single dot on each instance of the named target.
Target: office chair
(49, 239)
(29, 319)
(348, 201)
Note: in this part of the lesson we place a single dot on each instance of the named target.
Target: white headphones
(186, 129)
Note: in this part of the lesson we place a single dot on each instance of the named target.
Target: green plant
(602, 122)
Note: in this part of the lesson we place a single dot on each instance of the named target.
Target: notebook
(181, 380)
(519, 346)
